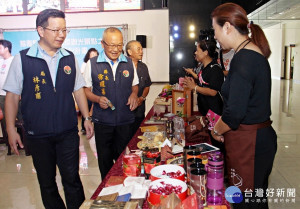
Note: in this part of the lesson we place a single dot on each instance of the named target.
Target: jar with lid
(215, 178)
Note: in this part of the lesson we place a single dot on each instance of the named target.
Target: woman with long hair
(245, 125)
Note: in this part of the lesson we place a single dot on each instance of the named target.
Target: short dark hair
(42, 18)
(7, 44)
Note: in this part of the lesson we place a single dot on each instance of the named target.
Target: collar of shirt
(37, 51)
(103, 58)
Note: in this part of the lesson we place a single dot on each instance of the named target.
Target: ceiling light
(179, 55)
(192, 35)
(192, 27)
(176, 28)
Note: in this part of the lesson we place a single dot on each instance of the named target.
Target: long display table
(117, 169)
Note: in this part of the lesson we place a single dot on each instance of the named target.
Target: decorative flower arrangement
(180, 101)
(166, 91)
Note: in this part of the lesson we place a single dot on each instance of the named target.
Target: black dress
(211, 77)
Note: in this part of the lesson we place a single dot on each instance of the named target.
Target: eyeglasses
(57, 32)
(112, 46)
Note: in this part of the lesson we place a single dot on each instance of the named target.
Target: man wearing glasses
(47, 76)
(112, 85)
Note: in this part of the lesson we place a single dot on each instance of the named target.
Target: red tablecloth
(117, 170)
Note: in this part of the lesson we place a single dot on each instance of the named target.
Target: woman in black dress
(245, 126)
(210, 78)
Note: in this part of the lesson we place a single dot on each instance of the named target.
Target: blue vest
(117, 92)
(48, 110)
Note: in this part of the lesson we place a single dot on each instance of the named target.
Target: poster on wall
(81, 6)
(117, 5)
(79, 41)
(36, 6)
(11, 7)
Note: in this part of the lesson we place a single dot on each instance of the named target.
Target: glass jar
(198, 183)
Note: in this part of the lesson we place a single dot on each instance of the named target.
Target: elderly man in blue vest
(112, 85)
(47, 76)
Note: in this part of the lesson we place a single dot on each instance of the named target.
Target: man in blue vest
(112, 85)
(47, 77)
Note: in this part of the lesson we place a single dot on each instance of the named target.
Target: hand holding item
(217, 137)
(189, 83)
(103, 102)
(112, 107)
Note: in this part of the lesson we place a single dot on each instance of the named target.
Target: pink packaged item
(212, 119)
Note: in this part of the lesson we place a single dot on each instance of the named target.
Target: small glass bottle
(215, 178)
(170, 128)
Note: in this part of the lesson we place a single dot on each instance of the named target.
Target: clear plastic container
(215, 178)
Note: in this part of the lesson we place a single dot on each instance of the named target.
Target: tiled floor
(19, 187)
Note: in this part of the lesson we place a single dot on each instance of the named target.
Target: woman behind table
(210, 78)
(245, 126)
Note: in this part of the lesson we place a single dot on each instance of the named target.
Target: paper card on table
(110, 190)
(125, 190)
(139, 193)
(133, 181)
(136, 191)
(212, 118)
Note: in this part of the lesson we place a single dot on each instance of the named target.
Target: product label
(215, 183)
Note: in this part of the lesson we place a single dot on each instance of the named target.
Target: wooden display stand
(184, 110)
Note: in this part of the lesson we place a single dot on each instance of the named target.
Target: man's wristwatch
(88, 118)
